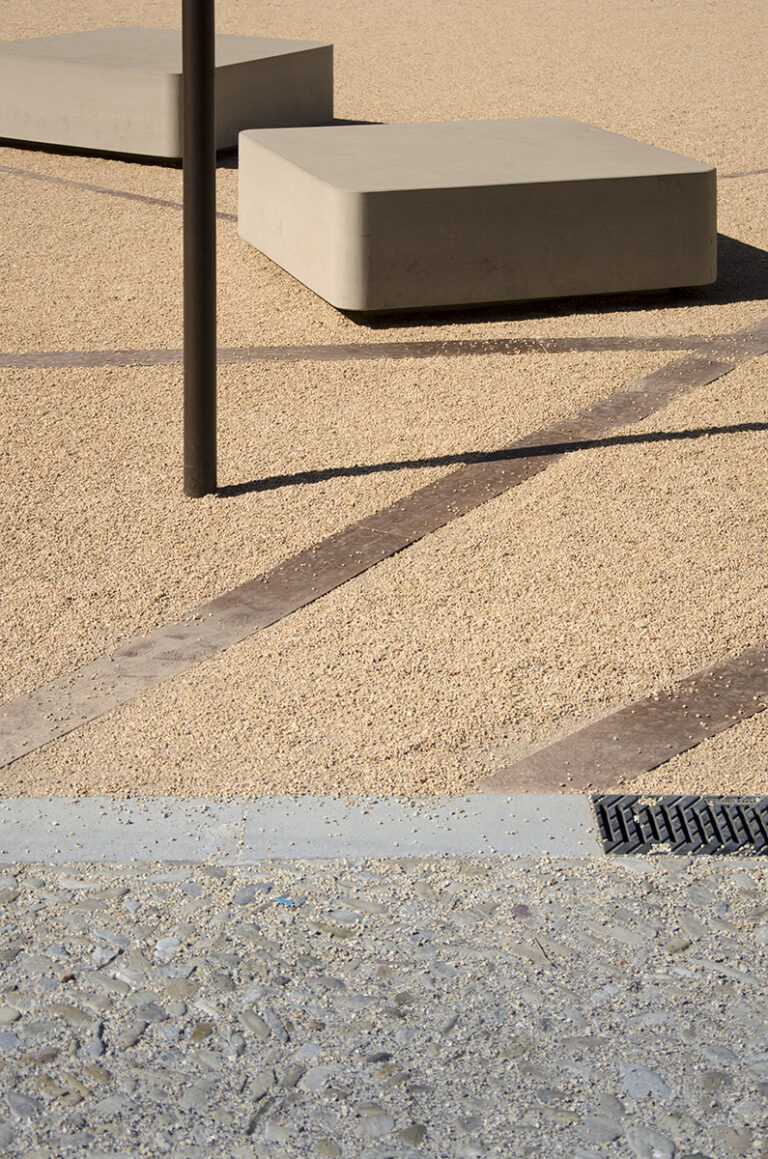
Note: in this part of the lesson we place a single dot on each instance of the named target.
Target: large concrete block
(396, 217)
(118, 90)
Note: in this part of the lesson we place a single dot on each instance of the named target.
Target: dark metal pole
(199, 159)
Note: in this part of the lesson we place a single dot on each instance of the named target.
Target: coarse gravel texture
(733, 762)
(399, 680)
(386, 1009)
(617, 571)
(130, 552)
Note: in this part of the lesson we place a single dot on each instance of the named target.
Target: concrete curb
(240, 832)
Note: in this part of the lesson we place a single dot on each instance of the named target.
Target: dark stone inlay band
(645, 734)
(743, 173)
(354, 351)
(32, 721)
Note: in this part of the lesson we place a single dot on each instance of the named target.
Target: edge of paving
(241, 832)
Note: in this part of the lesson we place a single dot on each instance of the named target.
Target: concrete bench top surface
(146, 49)
(433, 155)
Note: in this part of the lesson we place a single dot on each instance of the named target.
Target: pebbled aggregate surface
(386, 1009)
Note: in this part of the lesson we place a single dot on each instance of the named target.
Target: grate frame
(629, 823)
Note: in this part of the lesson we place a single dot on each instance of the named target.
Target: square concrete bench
(397, 217)
(118, 90)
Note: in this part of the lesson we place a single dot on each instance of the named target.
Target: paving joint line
(742, 173)
(126, 194)
(68, 702)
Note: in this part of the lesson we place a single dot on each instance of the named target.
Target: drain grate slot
(633, 824)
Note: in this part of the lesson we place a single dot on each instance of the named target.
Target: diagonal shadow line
(321, 475)
(52, 179)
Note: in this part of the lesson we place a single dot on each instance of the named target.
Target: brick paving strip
(645, 734)
(91, 691)
(354, 351)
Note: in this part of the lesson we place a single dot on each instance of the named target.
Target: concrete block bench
(398, 217)
(118, 90)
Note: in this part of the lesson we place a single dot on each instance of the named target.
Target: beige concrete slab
(119, 89)
(388, 217)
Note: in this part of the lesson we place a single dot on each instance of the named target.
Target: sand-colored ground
(617, 571)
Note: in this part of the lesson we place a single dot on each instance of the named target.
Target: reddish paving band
(351, 352)
(646, 734)
(65, 704)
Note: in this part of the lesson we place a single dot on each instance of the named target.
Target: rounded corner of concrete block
(352, 303)
(709, 278)
(356, 296)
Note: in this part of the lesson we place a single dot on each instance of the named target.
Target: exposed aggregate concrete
(584, 1008)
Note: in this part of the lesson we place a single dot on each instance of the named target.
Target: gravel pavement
(447, 1005)
(617, 572)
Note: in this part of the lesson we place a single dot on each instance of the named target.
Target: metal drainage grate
(631, 824)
